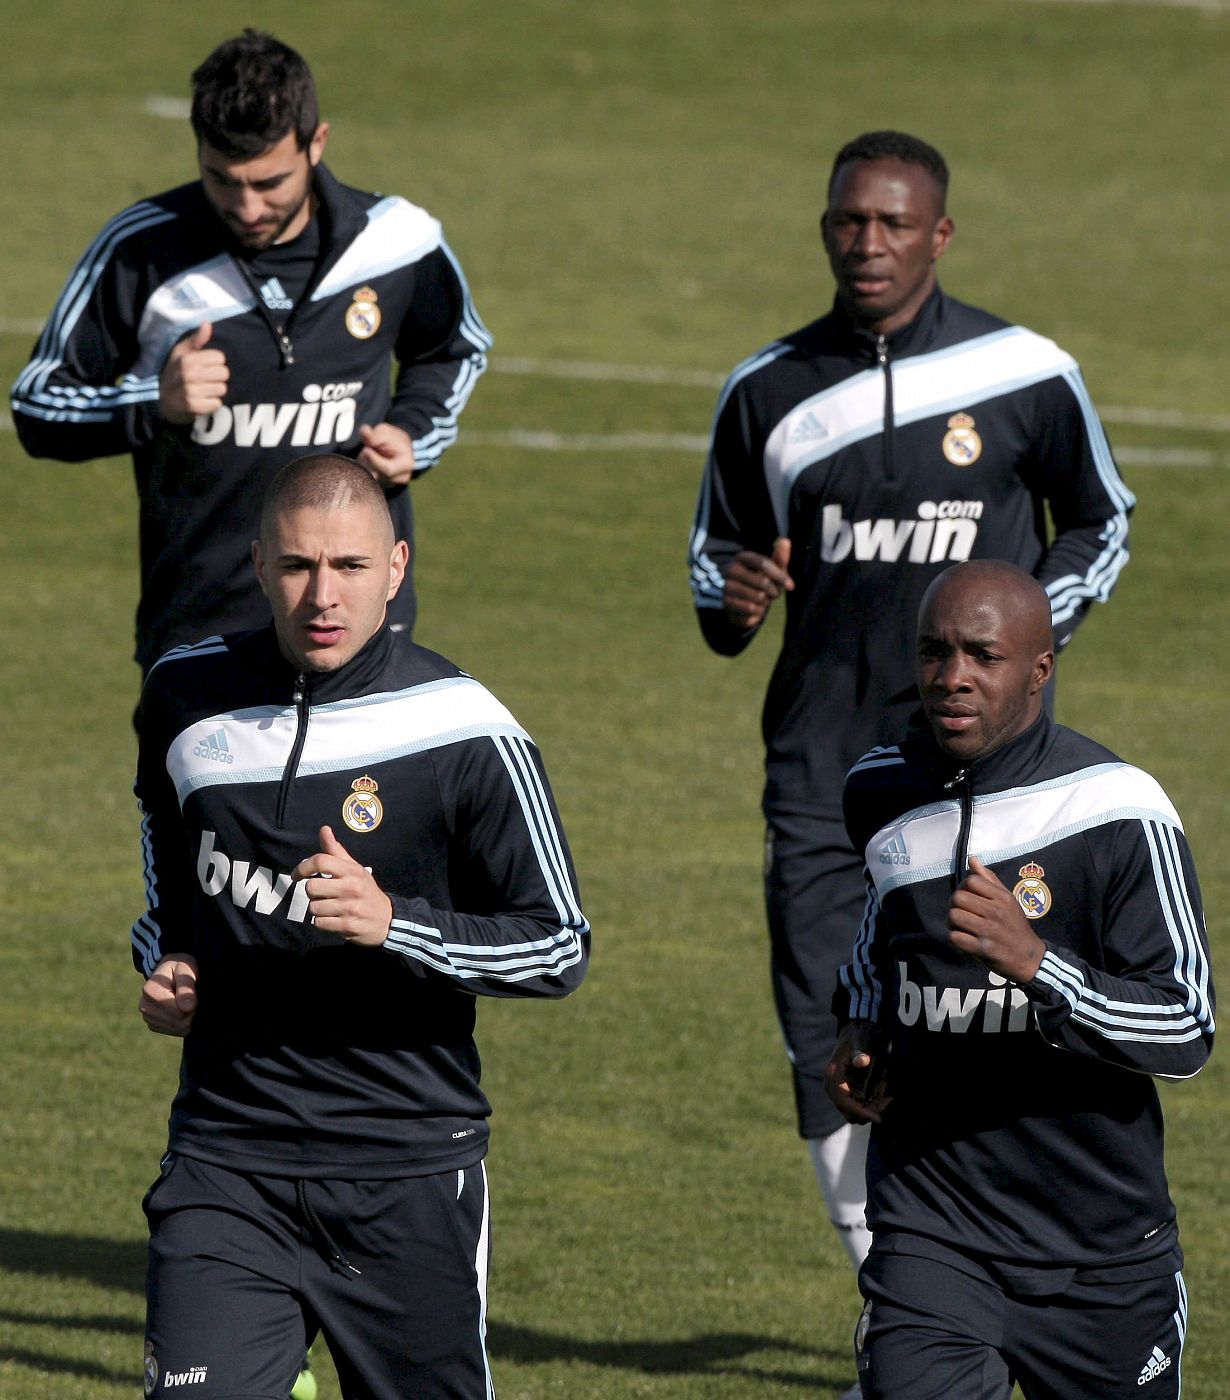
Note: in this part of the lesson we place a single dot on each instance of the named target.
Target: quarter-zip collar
(338, 227)
(310, 689)
(1002, 768)
(881, 351)
(918, 334)
(358, 676)
(1011, 762)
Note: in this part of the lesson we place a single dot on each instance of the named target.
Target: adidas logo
(185, 299)
(808, 429)
(215, 748)
(895, 852)
(1158, 1362)
(273, 294)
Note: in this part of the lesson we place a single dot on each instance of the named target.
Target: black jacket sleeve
(516, 928)
(441, 351)
(1075, 472)
(166, 927)
(1149, 1005)
(79, 396)
(734, 513)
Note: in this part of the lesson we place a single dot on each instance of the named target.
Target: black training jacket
(309, 1056)
(885, 460)
(385, 287)
(1025, 1126)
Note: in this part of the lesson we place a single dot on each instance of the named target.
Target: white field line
(1212, 7)
(707, 379)
(695, 445)
(159, 105)
(600, 372)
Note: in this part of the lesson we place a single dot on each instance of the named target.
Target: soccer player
(346, 841)
(851, 462)
(1032, 952)
(219, 329)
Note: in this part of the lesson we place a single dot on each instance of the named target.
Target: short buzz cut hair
(327, 481)
(250, 93)
(894, 145)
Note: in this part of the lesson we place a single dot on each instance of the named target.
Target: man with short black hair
(851, 461)
(346, 841)
(217, 330)
(1032, 951)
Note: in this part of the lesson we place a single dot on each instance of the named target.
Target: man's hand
(342, 896)
(854, 1078)
(193, 380)
(168, 999)
(753, 581)
(387, 453)
(987, 923)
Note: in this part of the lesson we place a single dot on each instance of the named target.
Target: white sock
(840, 1161)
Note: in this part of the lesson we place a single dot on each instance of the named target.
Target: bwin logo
(1156, 1364)
(324, 418)
(195, 1375)
(215, 748)
(955, 1009)
(895, 852)
(944, 530)
(259, 886)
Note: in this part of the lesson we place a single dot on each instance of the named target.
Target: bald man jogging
(347, 840)
(1032, 952)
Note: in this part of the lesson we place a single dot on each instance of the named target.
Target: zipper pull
(286, 349)
(882, 349)
(952, 782)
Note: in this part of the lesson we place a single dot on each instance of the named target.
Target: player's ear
(944, 231)
(399, 561)
(258, 562)
(316, 146)
(1044, 667)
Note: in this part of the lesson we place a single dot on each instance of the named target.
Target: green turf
(630, 182)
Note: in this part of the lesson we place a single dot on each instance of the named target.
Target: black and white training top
(885, 460)
(1024, 1125)
(309, 329)
(309, 1056)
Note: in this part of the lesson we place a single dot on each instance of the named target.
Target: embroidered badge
(151, 1368)
(363, 315)
(962, 445)
(363, 810)
(1031, 893)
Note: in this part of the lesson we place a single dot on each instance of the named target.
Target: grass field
(630, 184)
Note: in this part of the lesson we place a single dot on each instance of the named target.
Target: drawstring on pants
(325, 1242)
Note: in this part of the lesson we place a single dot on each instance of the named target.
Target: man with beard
(217, 330)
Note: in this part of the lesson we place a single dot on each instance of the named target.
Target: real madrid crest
(1031, 893)
(151, 1368)
(363, 810)
(363, 315)
(962, 445)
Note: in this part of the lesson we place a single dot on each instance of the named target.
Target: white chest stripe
(923, 386)
(211, 291)
(921, 845)
(398, 233)
(253, 746)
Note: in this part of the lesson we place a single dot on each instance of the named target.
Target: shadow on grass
(118, 1264)
(46, 1365)
(712, 1354)
(98, 1322)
